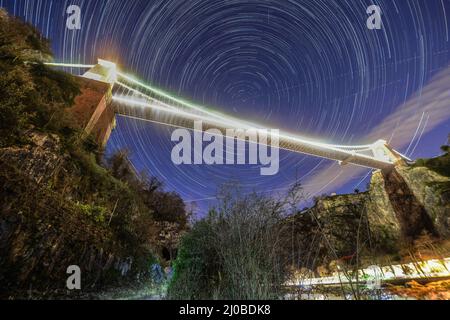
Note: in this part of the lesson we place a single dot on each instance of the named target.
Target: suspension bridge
(135, 99)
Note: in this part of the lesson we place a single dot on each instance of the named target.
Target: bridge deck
(345, 156)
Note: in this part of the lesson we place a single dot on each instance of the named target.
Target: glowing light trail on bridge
(380, 156)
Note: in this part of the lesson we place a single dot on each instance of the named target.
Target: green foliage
(440, 164)
(237, 252)
(96, 213)
(31, 94)
(28, 100)
(120, 167)
(21, 41)
(16, 96)
(166, 206)
(54, 86)
(93, 207)
(196, 269)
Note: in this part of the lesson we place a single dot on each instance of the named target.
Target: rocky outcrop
(43, 231)
(381, 216)
(41, 235)
(399, 207)
(432, 190)
(342, 228)
(39, 159)
(411, 214)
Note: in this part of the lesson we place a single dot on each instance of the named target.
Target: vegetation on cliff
(439, 164)
(30, 93)
(59, 206)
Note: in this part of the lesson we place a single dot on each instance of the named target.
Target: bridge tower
(93, 109)
(383, 151)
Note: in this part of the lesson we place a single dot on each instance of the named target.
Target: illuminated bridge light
(380, 155)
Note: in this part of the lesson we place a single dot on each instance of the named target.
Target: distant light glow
(435, 269)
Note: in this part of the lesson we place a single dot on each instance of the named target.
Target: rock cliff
(398, 208)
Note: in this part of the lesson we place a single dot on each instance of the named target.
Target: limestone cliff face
(43, 231)
(408, 202)
(329, 231)
(432, 191)
(384, 224)
(341, 221)
(398, 207)
(39, 159)
(413, 218)
(59, 208)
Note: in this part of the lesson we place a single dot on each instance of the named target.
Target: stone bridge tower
(93, 108)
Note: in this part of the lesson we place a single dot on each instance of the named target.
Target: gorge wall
(44, 228)
(58, 209)
(398, 208)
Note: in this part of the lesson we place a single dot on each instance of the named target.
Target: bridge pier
(93, 110)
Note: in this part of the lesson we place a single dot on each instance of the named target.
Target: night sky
(303, 66)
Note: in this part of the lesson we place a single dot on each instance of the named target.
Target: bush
(237, 252)
(96, 213)
(440, 164)
(196, 269)
(166, 206)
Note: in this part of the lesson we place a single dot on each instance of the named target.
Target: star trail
(306, 67)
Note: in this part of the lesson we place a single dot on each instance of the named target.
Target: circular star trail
(307, 67)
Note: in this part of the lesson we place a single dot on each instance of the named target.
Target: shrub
(96, 213)
(237, 252)
(166, 206)
(196, 269)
